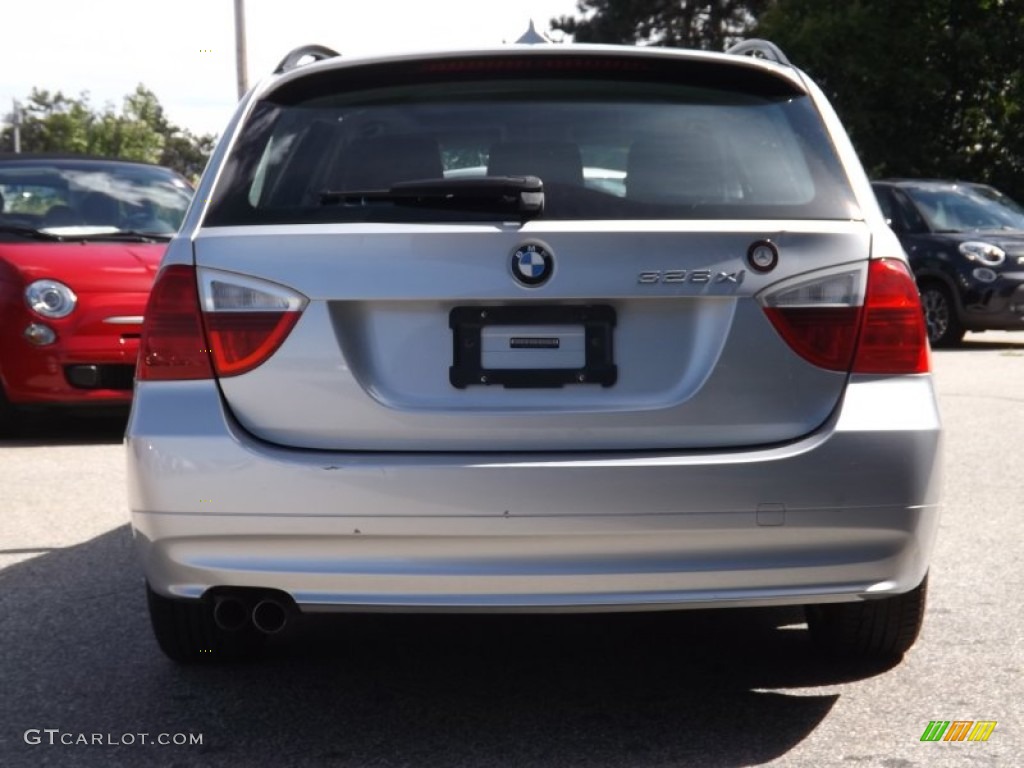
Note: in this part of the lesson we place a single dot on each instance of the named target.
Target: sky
(184, 50)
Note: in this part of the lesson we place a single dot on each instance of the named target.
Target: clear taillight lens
(246, 319)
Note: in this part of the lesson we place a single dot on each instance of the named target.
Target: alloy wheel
(936, 313)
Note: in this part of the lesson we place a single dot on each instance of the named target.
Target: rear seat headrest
(552, 161)
(687, 167)
(383, 161)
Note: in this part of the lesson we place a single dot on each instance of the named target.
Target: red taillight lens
(246, 319)
(242, 340)
(840, 321)
(245, 322)
(173, 346)
(823, 336)
(818, 316)
(893, 337)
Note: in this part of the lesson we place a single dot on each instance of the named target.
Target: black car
(966, 248)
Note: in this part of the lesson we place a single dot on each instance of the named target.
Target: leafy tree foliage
(926, 88)
(186, 152)
(712, 25)
(54, 122)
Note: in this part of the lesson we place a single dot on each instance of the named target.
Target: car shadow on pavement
(683, 688)
(61, 427)
(972, 344)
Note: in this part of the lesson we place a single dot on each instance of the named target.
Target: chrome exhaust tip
(230, 614)
(269, 616)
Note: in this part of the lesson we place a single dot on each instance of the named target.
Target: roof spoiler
(760, 49)
(295, 57)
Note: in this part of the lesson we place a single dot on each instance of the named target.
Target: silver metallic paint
(366, 367)
(214, 506)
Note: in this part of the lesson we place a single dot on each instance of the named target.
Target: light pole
(240, 65)
(16, 125)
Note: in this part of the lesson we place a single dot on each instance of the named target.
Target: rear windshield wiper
(522, 195)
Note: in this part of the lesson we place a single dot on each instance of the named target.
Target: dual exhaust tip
(268, 613)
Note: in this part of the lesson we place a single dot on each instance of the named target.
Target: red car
(80, 243)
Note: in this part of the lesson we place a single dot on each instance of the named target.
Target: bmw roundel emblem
(532, 264)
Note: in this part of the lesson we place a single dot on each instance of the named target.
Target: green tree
(130, 135)
(925, 87)
(181, 149)
(53, 122)
(711, 25)
(186, 152)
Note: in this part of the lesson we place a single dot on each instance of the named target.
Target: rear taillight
(843, 322)
(173, 346)
(246, 319)
(819, 316)
(893, 337)
(219, 322)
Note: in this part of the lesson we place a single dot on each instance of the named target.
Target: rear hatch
(691, 279)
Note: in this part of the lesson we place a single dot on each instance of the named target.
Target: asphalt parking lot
(726, 688)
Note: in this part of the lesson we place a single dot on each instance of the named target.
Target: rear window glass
(604, 149)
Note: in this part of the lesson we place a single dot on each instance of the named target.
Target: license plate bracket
(597, 322)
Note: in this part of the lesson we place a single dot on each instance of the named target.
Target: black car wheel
(940, 317)
(872, 630)
(186, 632)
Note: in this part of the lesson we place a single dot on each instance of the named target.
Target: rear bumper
(845, 514)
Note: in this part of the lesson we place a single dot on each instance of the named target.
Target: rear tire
(873, 630)
(186, 632)
(940, 316)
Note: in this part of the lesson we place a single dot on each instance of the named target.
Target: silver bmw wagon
(534, 328)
